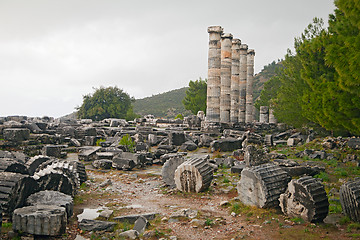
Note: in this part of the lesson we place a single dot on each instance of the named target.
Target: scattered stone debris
(262, 185)
(305, 198)
(349, 198)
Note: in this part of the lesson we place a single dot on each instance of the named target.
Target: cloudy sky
(52, 52)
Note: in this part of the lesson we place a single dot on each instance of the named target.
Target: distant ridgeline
(163, 105)
(168, 104)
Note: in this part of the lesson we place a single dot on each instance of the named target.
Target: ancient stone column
(264, 114)
(242, 82)
(272, 118)
(213, 83)
(249, 115)
(234, 110)
(225, 102)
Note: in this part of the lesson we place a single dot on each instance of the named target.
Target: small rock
(106, 213)
(130, 234)
(107, 182)
(224, 203)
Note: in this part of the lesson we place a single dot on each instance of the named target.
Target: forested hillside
(164, 105)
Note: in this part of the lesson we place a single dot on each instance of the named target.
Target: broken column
(305, 198)
(234, 110)
(262, 185)
(194, 175)
(272, 118)
(225, 102)
(264, 114)
(213, 83)
(249, 86)
(350, 200)
(242, 82)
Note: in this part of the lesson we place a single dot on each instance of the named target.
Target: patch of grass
(340, 172)
(78, 200)
(324, 176)
(99, 141)
(226, 180)
(355, 235)
(298, 220)
(235, 208)
(335, 207)
(344, 220)
(353, 226)
(209, 222)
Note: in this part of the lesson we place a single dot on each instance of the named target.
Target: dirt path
(142, 191)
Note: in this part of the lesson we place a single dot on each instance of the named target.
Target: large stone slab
(226, 144)
(45, 220)
(16, 134)
(95, 225)
(169, 168)
(52, 198)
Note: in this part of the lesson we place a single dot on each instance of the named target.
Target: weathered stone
(132, 218)
(264, 114)
(194, 175)
(129, 234)
(152, 139)
(52, 150)
(237, 168)
(74, 142)
(105, 155)
(188, 146)
(293, 141)
(123, 164)
(168, 170)
(176, 138)
(96, 225)
(213, 83)
(14, 189)
(294, 169)
(11, 165)
(141, 224)
(254, 156)
(225, 77)
(52, 198)
(350, 200)
(102, 164)
(262, 185)
(269, 140)
(35, 162)
(305, 198)
(224, 162)
(45, 220)
(235, 80)
(242, 82)
(354, 143)
(193, 121)
(88, 154)
(106, 213)
(249, 114)
(16, 134)
(56, 180)
(140, 146)
(225, 144)
(205, 140)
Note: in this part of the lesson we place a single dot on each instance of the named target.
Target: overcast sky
(52, 52)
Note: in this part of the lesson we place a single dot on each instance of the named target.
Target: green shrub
(127, 141)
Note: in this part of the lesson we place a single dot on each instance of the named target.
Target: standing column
(225, 102)
(213, 83)
(249, 86)
(234, 111)
(242, 82)
(264, 114)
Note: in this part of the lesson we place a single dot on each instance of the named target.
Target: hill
(163, 105)
(260, 78)
(169, 104)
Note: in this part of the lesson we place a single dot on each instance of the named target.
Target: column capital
(227, 35)
(244, 47)
(251, 52)
(236, 41)
(215, 29)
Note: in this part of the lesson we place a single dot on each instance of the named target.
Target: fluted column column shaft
(213, 82)
(249, 86)
(225, 102)
(242, 82)
(234, 110)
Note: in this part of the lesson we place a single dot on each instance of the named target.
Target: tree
(195, 99)
(110, 102)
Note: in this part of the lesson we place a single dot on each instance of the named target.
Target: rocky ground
(214, 214)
